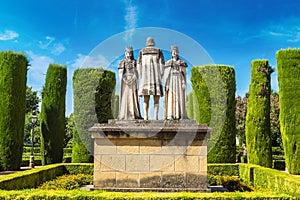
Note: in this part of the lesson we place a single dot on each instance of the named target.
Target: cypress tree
(93, 89)
(258, 139)
(13, 76)
(288, 66)
(53, 114)
(214, 87)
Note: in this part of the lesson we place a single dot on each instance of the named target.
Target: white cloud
(295, 38)
(130, 19)
(45, 45)
(8, 35)
(278, 34)
(56, 48)
(286, 29)
(38, 68)
(87, 61)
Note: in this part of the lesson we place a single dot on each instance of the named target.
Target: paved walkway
(11, 172)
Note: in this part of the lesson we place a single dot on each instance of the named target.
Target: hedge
(214, 87)
(92, 92)
(53, 114)
(192, 106)
(189, 105)
(258, 134)
(13, 77)
(35, 177)
(223, 169)
(288, 67)
(95, 195)
(105, 97)
(274, 180)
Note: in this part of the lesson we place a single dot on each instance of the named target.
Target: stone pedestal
(153, 155)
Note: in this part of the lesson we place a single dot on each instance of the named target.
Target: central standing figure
(151, 68)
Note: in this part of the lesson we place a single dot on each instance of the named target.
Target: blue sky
(65, 32)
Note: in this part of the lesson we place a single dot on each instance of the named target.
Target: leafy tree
(32, 100)
(241, 111)
(240, 117)
(28, 128)
(274, 120)
(32, 104)
(70, 128)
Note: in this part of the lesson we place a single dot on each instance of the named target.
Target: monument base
(152, 155)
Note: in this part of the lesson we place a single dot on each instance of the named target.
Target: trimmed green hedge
(192, 106)
(223, 169)
(271, 179)
(189, 106)
(95, 195)
(53, 114)
(104, 96)
(13, 76)
(288, 67)
(35, 177)
(214, 86)
(30, 178)
(93, 89)
(258, 134)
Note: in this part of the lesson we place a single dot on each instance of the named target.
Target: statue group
(145, 78)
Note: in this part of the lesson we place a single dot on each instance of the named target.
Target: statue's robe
(175, 89)
(151, 69)
(128, 104)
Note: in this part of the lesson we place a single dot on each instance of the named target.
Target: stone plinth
(153, 155)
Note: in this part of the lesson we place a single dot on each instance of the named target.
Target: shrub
(53, 114)
(85, 168)
(231, 183)
(92, 91)
(223, 169)
(13, 75)
(67, 182)
(258, 135)
(288, 67)
(278, 164)
(214, 86)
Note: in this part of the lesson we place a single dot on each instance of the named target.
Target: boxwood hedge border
(277, 184)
